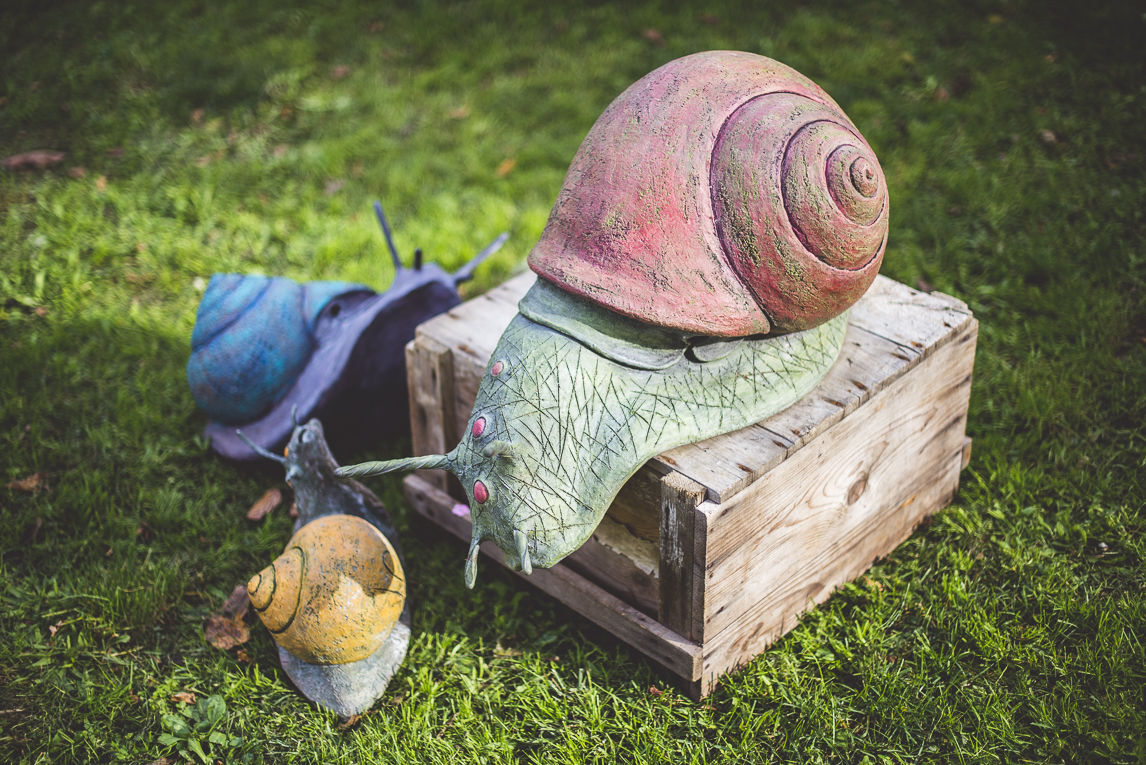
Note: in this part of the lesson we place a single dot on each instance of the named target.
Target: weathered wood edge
(679, 498)
(430, 377)
(675, 653)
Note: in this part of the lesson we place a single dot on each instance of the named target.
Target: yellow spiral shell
(334, 594)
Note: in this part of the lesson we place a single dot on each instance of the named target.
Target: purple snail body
(335, 350)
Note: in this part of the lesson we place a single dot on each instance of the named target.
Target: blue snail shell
(253, 336)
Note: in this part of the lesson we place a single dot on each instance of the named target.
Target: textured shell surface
(722, 194)
(252, 338)
(335, 593)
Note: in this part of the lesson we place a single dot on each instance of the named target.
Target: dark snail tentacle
(258, 449)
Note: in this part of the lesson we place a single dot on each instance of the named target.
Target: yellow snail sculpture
(335, 600)
(334, 594)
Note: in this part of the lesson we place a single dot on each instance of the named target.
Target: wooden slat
(892, 329)
(827, 512)
(679, 498)
(621, 564)
(917, 320)
(430, 375)
(675, 653)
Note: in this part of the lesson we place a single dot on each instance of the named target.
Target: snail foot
(352, 688)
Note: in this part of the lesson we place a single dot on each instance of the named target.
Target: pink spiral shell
(722, 194)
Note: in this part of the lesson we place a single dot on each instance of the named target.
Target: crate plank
(679, 498)
(793, 529)
(430, 375)
(621, 564)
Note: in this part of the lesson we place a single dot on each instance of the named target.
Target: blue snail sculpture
(264, 345)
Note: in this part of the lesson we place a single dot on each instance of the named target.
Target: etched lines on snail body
(572, 426)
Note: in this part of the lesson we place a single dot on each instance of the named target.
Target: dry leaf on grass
(184, 697)
(350, 722)
(78, 172)
(40, 159)
(32, 483)
(655, 37)
(243, 656)
(460, 113)
(505, 167)
(226, 633)
(101, 184)
(268, 502)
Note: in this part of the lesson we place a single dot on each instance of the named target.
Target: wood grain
(679, 498)
(828, 511)
(430, 374)
(621, 564)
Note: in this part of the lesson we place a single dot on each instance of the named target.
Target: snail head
(491, 513)
(307, 458)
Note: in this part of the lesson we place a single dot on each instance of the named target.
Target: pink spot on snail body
(495, 370)
(479, 427)
(481, 493)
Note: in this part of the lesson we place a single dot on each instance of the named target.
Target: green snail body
(558, 426)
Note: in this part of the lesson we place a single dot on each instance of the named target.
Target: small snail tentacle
(260, 450)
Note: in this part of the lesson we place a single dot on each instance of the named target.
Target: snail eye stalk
(258, 449)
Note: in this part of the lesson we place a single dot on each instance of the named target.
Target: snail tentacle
(428, 462)
(471, 564)
(466, 272)
(258, 449)
(386, 233)
(522, 544)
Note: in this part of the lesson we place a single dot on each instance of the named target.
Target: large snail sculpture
(335, 600)
(262, 346)
(696, 270)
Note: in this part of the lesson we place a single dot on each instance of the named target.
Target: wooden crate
(713, 550)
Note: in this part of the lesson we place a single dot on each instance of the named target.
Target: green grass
(1009, 629)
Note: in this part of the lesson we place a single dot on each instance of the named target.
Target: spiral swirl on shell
(800, 205)
(334, 594)
(722, 194)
